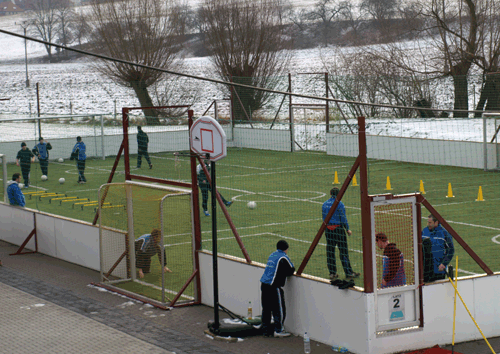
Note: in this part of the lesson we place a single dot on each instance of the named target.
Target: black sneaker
(353, 275)
(150, 166)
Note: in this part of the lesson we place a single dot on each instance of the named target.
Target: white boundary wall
(347, 317)
(451, 153)
(67, 239)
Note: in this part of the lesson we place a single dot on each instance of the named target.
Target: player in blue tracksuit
(146, 247)
(78, 153)
(16, 196)
(41, 150)
(278, 267)
(438, 250)
(336, 230)
(206, 187)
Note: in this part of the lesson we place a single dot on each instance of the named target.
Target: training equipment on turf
(251, 205)
(44, 178)
(62, 180)
(60, 159)
(480, 195)
(388, 184)
(21, 185)
(450, 192)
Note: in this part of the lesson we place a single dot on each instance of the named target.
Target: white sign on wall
(208, 137)
(397, 307)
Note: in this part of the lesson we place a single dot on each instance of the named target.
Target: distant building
(9, 8)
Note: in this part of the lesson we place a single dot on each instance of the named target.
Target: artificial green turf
(289, 189)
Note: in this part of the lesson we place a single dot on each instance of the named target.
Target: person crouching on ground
(146, 247)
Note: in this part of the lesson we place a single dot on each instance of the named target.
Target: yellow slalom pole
(454, 306)
(463, 302)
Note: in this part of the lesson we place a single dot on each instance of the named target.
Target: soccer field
(289, 189)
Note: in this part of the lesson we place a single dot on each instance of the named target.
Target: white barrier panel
(451, 153)
(347, 317)
(67, 239)
(264, 139)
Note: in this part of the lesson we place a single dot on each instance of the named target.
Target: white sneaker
(281, 334)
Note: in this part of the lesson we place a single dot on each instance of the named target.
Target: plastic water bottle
(307, 344)
(250, 312)
(339, 349)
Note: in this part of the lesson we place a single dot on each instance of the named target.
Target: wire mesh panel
(146, 240)
(394, 237)
(395, 261)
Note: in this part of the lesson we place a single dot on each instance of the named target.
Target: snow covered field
(77, 88)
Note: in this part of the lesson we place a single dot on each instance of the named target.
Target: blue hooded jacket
(80, 148)
(278, 267)
(442, 248)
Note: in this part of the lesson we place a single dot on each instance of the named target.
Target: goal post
(131, 260)
(491, 147)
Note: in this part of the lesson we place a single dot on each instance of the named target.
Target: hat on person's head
(78, 138)
(40, 139)
(381, 237)
(282, 245)
(23, 144)
(334, 191)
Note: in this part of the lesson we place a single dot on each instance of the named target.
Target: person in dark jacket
(146, 247)
(79, 154)
(336, 230)
(24, 159)
(438, 250)
(16, 196)
(393, 268)
(205, 188)
(41, 150)
(278, 267)
(142, 147)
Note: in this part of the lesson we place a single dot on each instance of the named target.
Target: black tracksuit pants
(273, 303)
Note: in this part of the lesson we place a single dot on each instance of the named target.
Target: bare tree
(44, 22)
(457, 23)
(488, 57)
(248, 45)
(65, 22)
(140, 31)
(326, 12)
(81, 27)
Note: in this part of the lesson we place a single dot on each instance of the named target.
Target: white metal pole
(102, 138)
(131, 234)
(485, 146)
(4, 170)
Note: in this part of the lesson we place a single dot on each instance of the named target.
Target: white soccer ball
(62, 180)
(61, 159)
(21, 185)
(44, 178)
(251, 205)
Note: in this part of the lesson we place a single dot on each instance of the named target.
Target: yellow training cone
(388, 184)
(354, 181)
(480, 195)
(421, 189)
(450, 193)
(336, 179)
